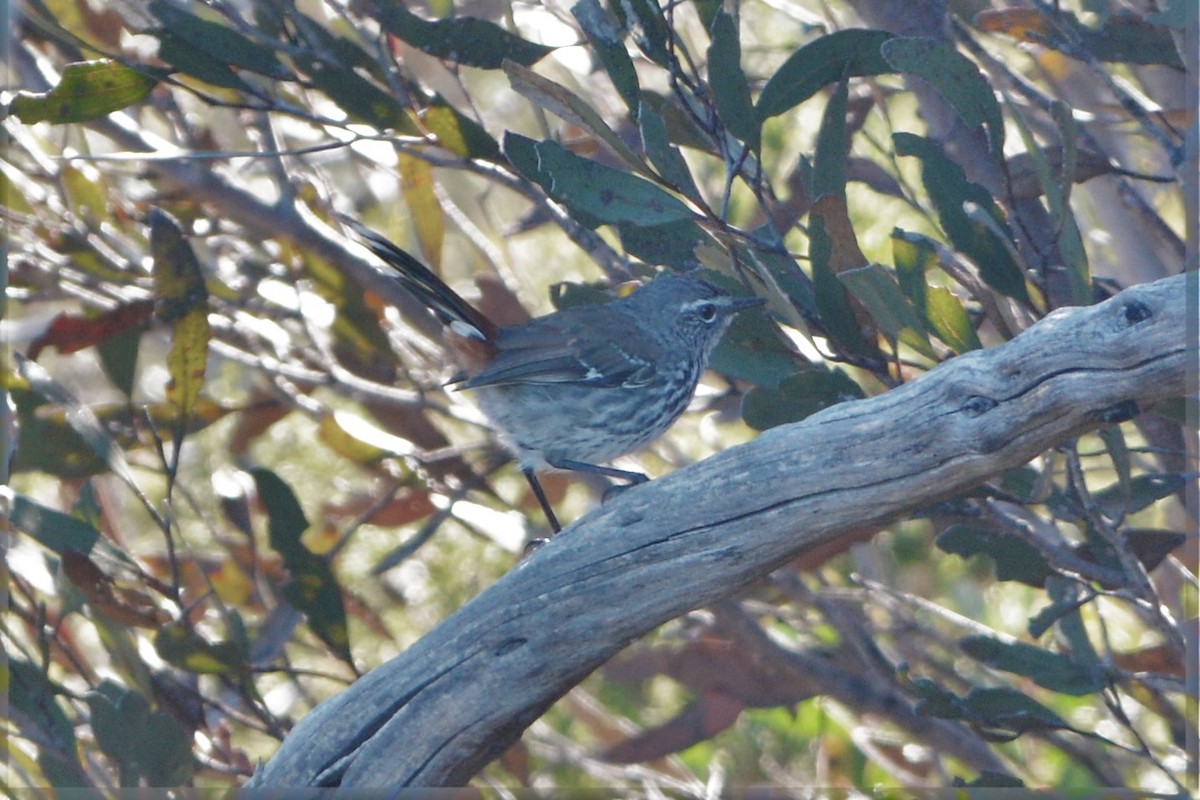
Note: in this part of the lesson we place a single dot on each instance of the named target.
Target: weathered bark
(442, 710)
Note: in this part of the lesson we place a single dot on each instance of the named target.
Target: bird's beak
(737, 304)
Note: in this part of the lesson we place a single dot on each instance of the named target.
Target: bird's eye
(707, 312)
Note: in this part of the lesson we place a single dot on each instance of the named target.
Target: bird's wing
(571, 347)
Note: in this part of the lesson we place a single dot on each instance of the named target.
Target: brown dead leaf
(1161, 659)
(123, 605)
(408, 505)
(1024, 181)
(703, 718)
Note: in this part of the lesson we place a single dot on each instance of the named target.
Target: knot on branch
(977, 405)
(508, 645)
(1121, 412)
(1135, 311)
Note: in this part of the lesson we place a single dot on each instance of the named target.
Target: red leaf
(71, 332)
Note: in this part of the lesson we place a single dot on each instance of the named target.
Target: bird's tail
(425, 285)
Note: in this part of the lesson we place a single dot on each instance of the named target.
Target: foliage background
(239, 482)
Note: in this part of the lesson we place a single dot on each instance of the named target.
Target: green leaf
(1003, 712)
(88, 90)
(318, 43)
(803, 394)
(286, 519)
(12, 197)
(458, 133)
(608, 195)
(1129, 39)
(1067, 597)
(464, 40)
(361, 99)
(86, 191)
(30, 692)
(681, 129)
(1009, 712)
(521, 152)
(1052, 671)
(954, 76)
(185, 648)
(572, 295)
(146, 744)
(1179, 14)
(48, 443)
(313, 589)
(357, 329)
(1120, 500)
(832, 249)
(608, 45)
(731, 90)
(851, 53)
(947, 319)
(118, 357)
(183, 303)
(79, 417)
(934, 700)
(914, 255)
(940, 309)
(829, 160)
(662, 154)
(1015, 559)
(876, 288)
(644, 19)
(671, 244)
(1118, 452)
(190, 60)
(219, 41)
(53, 529)
(833, 244)
(949, 190)
(787, 275)
(1057, 189)
(568, 106)
(752, 351)
(1151, 546)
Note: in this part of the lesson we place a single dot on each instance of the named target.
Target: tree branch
(460, 696)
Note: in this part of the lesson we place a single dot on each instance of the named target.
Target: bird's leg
(634, 478)
(540, 494)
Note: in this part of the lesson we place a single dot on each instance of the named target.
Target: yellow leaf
(231, 584)
(428, 218)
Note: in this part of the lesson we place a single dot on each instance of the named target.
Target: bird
(579, 387)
